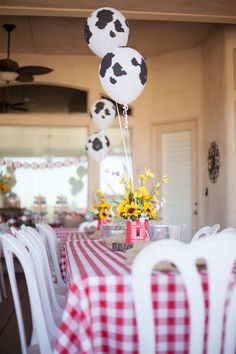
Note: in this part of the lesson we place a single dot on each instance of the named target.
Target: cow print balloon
(123, 74)
(97, 146)
(103, 113)
(105, 29)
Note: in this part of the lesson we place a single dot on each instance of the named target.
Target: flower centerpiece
(140, 205)
(101, 209)
(7, 181)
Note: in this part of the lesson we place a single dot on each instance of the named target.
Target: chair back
(202, 232)
(13, 247)
(3, 292)
(214, 228)
(227, 231)
(51, 236)
(53, 247)
(36, 240)
(219, 267)
(50, 305)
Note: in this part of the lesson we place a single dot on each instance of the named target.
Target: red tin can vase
(102, 221)
(137, 230)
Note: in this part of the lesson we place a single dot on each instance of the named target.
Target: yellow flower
(143, 178)
(6, 182)
(104, 213)
(149, 173)
(141, 202)
(102, 208)
(131, 210)
(122, 180)
(164, 179)
(121, 206)
(105, 205)
(149, 210)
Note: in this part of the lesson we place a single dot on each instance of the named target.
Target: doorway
(174, 151)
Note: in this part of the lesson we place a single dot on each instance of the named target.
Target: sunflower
(140, 202)
(102, 209)
(149, 210)
(131, 211)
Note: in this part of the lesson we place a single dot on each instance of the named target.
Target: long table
(99, 315)
(66, 234)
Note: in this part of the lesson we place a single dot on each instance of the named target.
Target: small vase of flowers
(101, 209)
(7, 181)
(140, 205)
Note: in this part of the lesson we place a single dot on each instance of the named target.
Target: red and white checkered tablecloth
(65, 234)
(99, 315)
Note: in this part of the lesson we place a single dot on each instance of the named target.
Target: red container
(102, 221)
(137, 231)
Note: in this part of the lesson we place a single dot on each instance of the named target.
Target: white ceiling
(156, 27)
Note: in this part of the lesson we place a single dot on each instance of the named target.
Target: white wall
(214, 124)
(230, 112)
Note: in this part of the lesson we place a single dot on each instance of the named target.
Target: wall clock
(213, 162)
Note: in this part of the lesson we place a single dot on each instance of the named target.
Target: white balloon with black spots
(123, 74)
(97, 146)
(103, 113)
(105, 29)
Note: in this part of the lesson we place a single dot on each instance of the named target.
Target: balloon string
(125, 114)
(128, 162)
(103, 140)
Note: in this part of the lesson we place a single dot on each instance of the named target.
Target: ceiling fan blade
(25, 78)
(17, 103)
(5, 107)
(26, 73)
(22, 109)
(34, 70)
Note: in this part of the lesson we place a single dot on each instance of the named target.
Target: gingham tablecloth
(99, 314)
(65, 234)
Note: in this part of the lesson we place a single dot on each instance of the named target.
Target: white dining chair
(36, 239)
(208, 230)
(3, 292)
(55, 242)
(51, 308)
(53, 246)
(43, 244)
(219, 255)
(215, 228)
(13, 248)
(52, 303)
(202, 232)
(34, 232)
(228, 231)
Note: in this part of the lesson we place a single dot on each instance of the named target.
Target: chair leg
(1, 295)
(2, 282)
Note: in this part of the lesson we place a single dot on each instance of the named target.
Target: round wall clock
(213, 162)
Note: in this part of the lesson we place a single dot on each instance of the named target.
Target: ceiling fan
(6, 105)
(11, 71)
